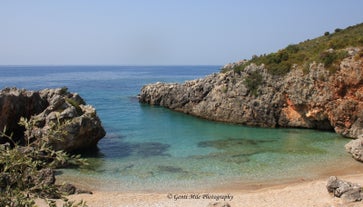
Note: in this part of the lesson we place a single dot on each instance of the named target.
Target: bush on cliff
(280, 63)
(253, 81)
(26, 172)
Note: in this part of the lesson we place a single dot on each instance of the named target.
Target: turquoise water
(152, 148)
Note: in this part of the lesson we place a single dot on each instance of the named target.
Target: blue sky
(161, 32)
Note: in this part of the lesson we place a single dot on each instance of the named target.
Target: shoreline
(298, 193)
(347, 166)
(289, 192)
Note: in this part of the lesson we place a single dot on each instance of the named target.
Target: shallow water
(152, 148)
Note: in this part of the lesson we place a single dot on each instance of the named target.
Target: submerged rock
(317, 99)
(171, 169)
(55, 112)
(148, 149)
(228, 143)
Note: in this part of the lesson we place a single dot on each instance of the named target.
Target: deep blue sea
(152, 148)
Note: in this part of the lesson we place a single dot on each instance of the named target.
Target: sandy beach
(298, 193)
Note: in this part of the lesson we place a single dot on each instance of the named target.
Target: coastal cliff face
(51, 113)
(313, 98)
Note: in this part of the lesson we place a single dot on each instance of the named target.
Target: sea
(150, 148)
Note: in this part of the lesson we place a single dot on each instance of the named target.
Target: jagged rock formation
(56, 111)
(315, 99)
(355, 147)
(350, 192)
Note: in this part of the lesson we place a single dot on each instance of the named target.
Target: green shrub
(279, 69)
(276, 58)
(328, 58)
(75, 104)
(240, 68)
(332, 59)
(64, 90)
(21, 165)
(253, 81)
(292, 49)
(306, 68)
(360, 40)
(338, 44)
(279, 63)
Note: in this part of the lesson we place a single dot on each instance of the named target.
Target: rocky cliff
(316, 98)
(54, 114)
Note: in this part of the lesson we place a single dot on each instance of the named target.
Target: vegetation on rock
(253, 81)
(327, 49)
(321, 89)
(46, 108)
(27, 171)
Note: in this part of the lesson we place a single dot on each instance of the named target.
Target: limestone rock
(82, 191)
(45, 177)
(316, 100)
(67, 189)
(16, 103)
(70, 189)
(219, 204)
(355, 147)
(342, 189)
(51, 111)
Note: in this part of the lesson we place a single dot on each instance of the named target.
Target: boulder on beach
(350, 192)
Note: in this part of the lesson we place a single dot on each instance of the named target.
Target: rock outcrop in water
(355, 147)
(317, 99)
(49, 110)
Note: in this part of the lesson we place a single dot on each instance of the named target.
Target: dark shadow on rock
(89, 152)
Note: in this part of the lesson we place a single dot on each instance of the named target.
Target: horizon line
(107, 65)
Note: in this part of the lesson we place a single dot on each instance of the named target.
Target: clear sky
(161, 32)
